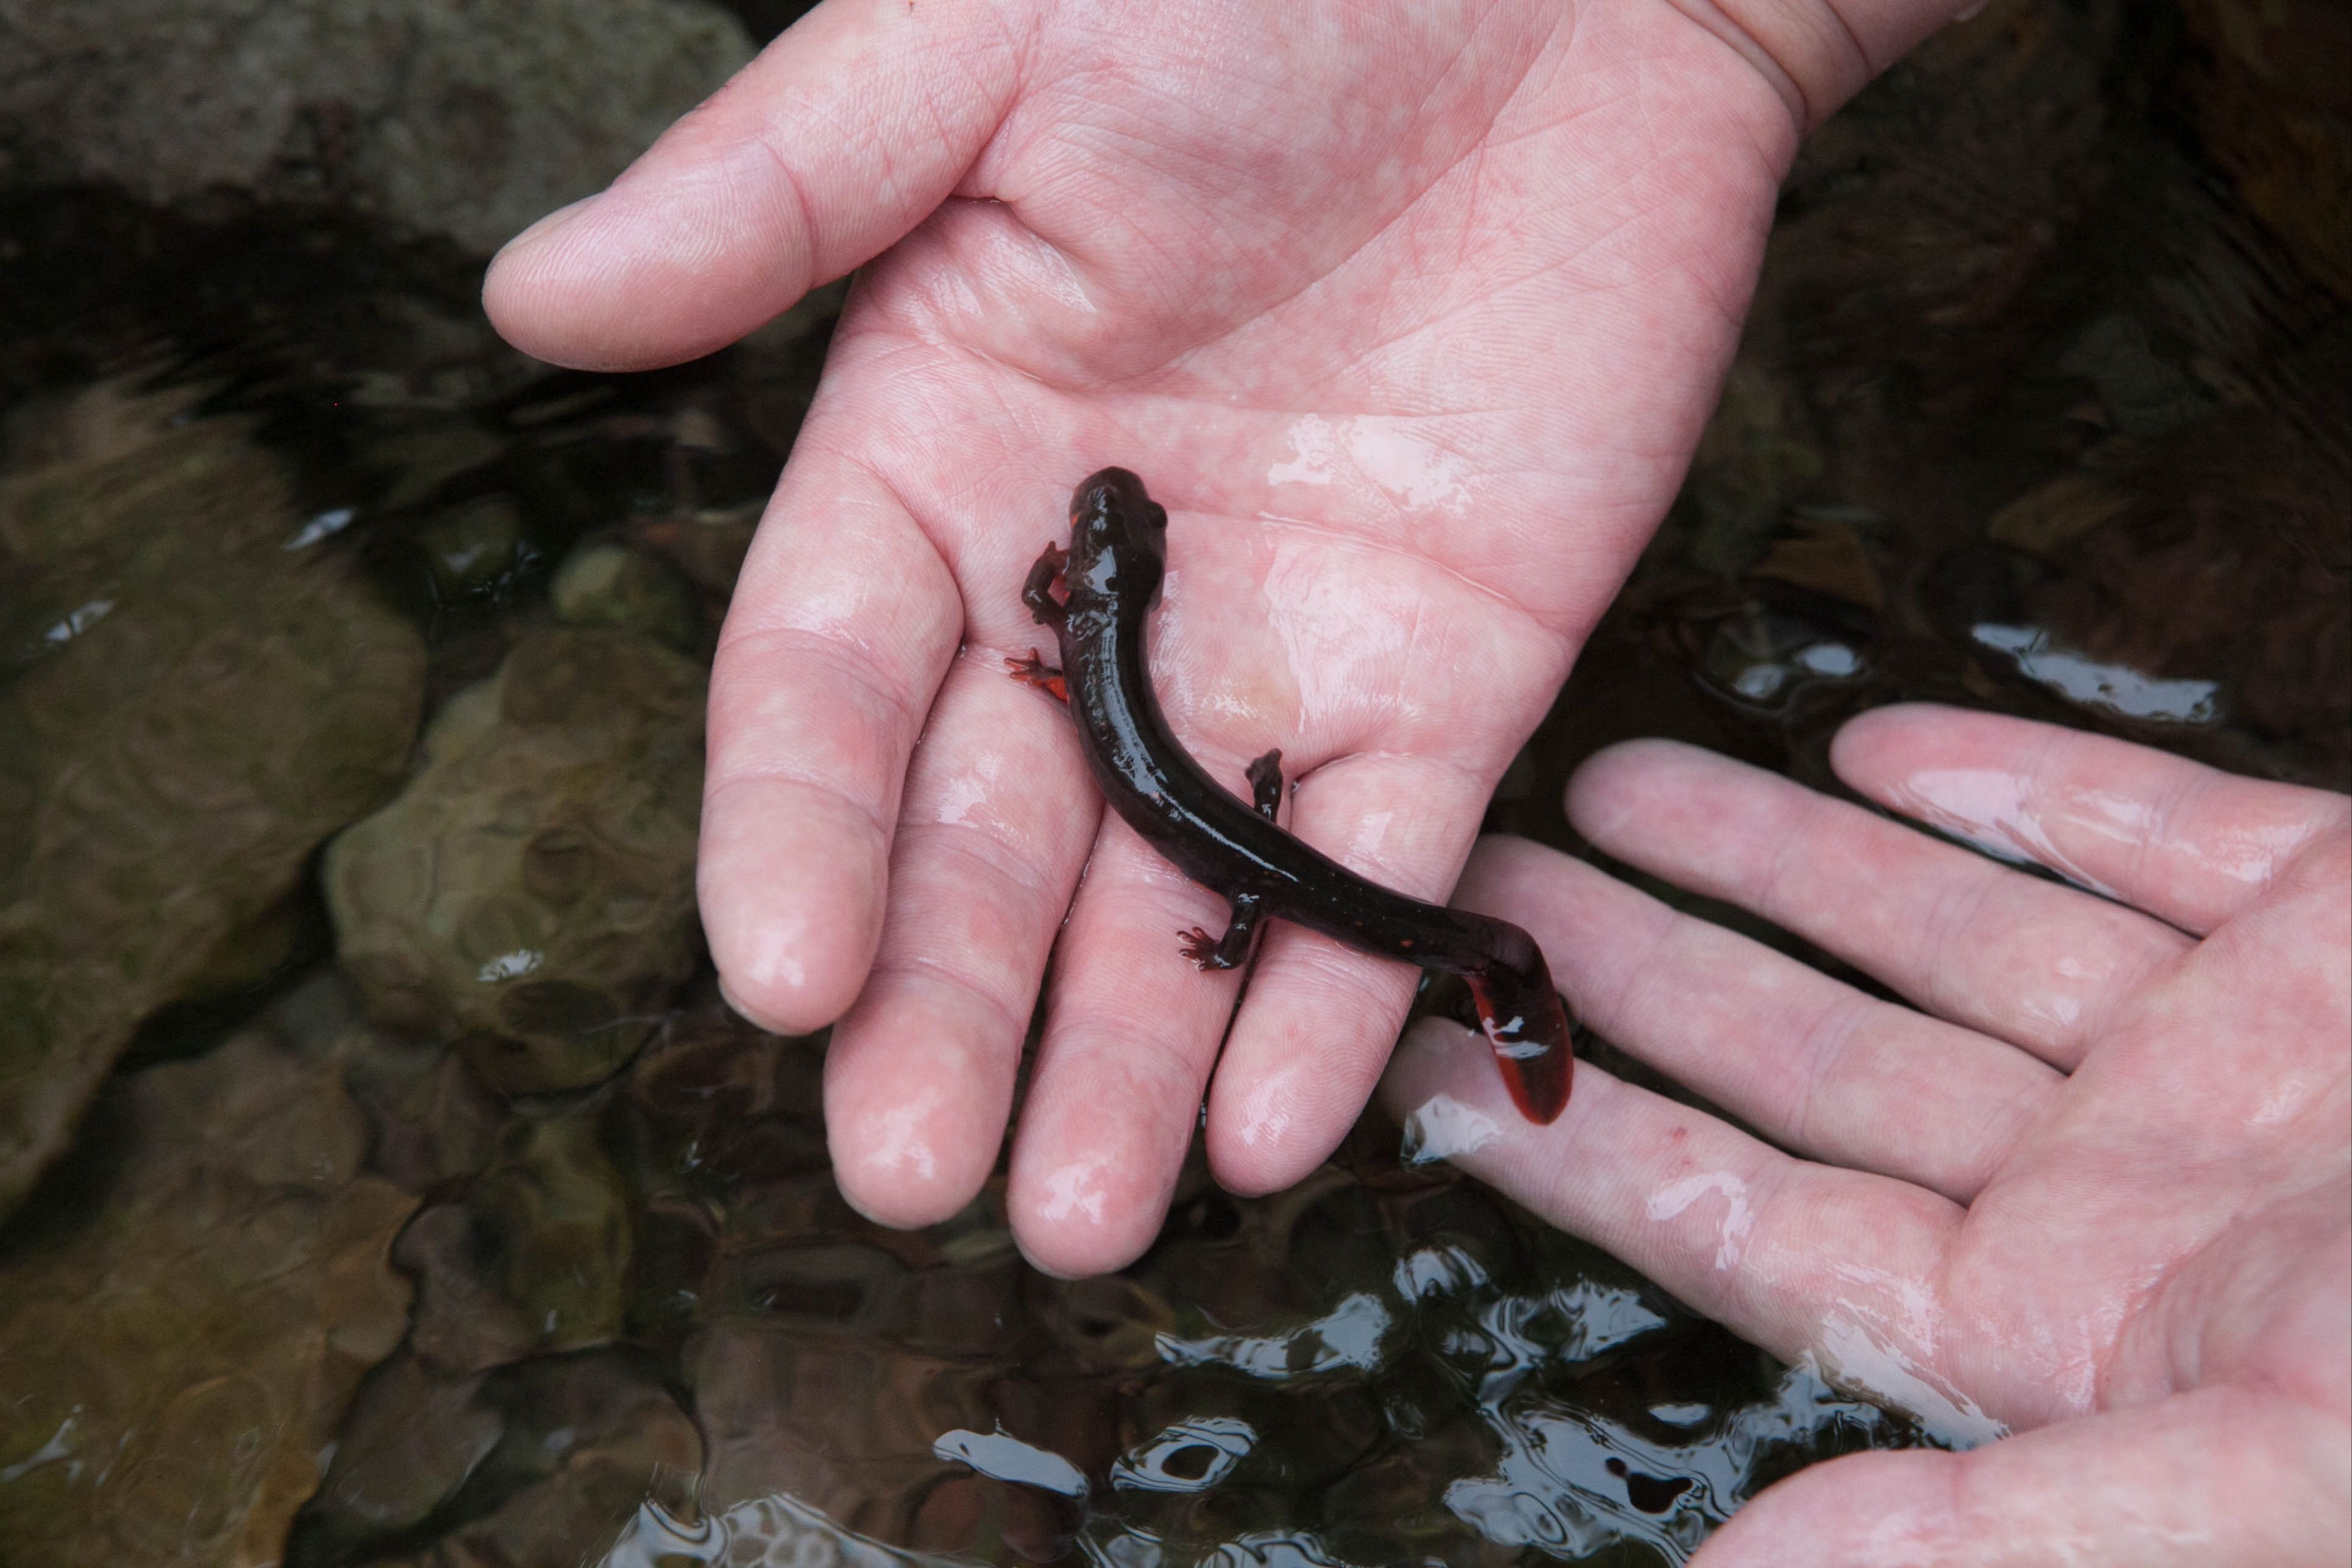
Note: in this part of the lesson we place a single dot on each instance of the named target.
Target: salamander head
(1119, 537)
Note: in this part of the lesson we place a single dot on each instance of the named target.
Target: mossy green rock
(531, 892)
(198, 707)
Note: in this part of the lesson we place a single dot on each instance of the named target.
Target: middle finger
(1131, 1030)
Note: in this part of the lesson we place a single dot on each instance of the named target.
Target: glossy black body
(1112, 576)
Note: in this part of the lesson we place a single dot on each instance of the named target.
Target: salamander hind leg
(1266, 784)
(1031, 671)
(1229, 950)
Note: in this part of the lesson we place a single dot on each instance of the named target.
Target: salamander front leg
(1266, 784)
(1037, 593)
(1037, 589)
(1207, 952)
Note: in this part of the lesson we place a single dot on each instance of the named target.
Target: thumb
(2217, 1478)
(843, 134)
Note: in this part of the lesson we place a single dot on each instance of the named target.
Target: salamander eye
(1157, 515)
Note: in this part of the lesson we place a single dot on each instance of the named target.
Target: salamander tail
(1527, 1024)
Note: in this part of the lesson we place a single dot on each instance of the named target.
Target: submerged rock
(545, 1461)
(589, 1441)
(532, 890)
(535, 1257)
(199, 706)
(843, 1423)
(609, 584)
(467, 121)
(2271, 99)
(178, 1365)
(412, 1436)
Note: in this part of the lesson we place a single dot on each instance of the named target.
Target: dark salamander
(1111, 575)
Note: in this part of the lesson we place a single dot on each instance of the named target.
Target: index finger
(2188, 844)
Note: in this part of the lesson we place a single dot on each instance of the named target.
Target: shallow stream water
(389, 1184)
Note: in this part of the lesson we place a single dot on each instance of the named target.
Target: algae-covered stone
(552, 1224)
(177, 1367)
(474, 549)
(533, 888)
(609, 584)
(199, 706)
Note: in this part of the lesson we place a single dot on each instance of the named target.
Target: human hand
(2094, 1190)
(1411, 318)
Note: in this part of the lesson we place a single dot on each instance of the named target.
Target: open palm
(1411, 320)
(2093, 1190)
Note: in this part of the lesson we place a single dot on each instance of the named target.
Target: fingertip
(1616, 783)
(1871, 749)
(646, 274)
(912, 1146)
(888, 1200)
(1059, 1253)
(1101, 1144)
(1437, 1057)
(1301, 1059)
(1076, 1218)
(833, 144)
(1274, 1134)
(792, 906)
(523, 280)
(1508, 875)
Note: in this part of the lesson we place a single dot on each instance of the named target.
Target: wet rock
(434, 1124)
(708, 545)
(590, 1440)
(199, 706)
(178, 1364)
(533, 888)
(1906, 279)
(2156, 552)
(412, 1439)
(534, 1258)
(1826, 555)
(466, 121)
(1756, 456)
(2273, 106)
(557, 1217)
(718, 1101)
(474, 550)
(542, 1462)
(613, 586)
(464, 1323)
(846, 1426)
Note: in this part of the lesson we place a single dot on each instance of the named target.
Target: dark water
(2041, 409)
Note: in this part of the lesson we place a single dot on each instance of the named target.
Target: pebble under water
(385, 1183)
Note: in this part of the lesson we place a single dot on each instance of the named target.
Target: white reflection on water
(1189, 1455)
(778, 1532)
(1443, 1128)
(1004, 1458)
(2117, 688)
(1347, 1335)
